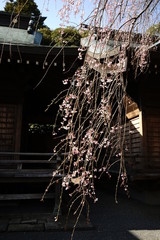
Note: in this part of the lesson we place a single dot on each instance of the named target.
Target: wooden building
(142, 138)
(143, 126)
(22, 112)
(26, 141)
(22, 104)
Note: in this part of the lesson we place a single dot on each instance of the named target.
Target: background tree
(62, 36)
(27, 8)
(68, 36)
(47, 35)
(155, 29)
(22, 6)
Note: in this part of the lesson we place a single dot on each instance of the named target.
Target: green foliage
(84, 33)
(66, 36)
(46, 32)
(154, 29)
(62, 36)
(40, 128)
(23, 6)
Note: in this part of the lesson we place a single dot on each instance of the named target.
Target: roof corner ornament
(31, 25)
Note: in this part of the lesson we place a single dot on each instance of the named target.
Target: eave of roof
(38, 49)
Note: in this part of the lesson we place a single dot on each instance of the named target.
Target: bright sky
(49, 9)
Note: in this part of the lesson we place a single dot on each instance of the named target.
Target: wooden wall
(150, 101)
(134, 136)
(152, 138)
(10, 129)
(10, 126)
(21, 71)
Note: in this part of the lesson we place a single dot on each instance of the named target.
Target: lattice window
(7, 127)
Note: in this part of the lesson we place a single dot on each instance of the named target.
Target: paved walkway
(127, 220)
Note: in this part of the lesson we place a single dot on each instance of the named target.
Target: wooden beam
(133, 114)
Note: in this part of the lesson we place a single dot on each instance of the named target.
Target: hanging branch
(92, 113)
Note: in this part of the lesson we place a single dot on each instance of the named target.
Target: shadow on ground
(127, 220)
